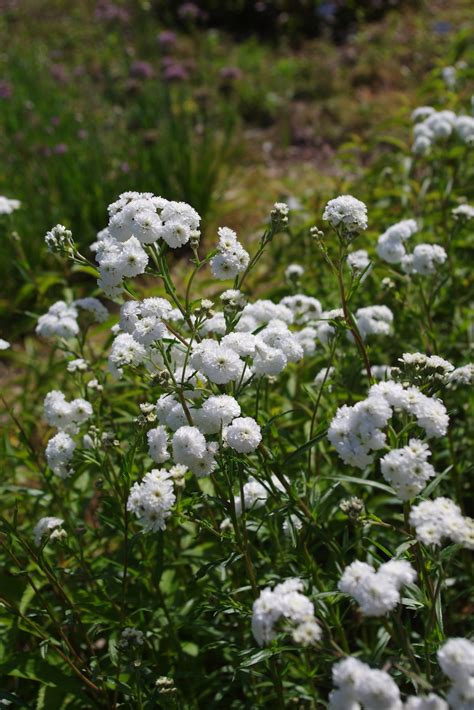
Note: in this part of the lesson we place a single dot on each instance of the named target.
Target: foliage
(188, 590)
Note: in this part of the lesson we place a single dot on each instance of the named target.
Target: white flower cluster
(4, 344)
(424, 260)
(463, 212)
(7, 205)
(347, 215)
(463, 375)
(77, 365)
(145, 320)
(358, 260)
(59, 453)
(52, 527)
(61, 318)
(441, 518)
(433, 126)
(285, 601)
(191, 449)
(157, 444)
(358, 685)
(427, 367)
(137, 219)
(356, 431)
(407, 469)
(255, 495)
(243, 435)
(456, 658)
(219, 414)
(151, 500)
(66, 416)
(425, 257)
(231, 258)
(373, 320)
(390, 245)
(377, 592)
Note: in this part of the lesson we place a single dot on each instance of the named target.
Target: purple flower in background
(60, 148)
(189, 11)
(230, 73)
(82, 134)
(175, 72)
(6, 90)
(59, 73)
(141, 70)
(167, 38)
(442, 27)
(125, 167)
(55, 120)
(108, 11)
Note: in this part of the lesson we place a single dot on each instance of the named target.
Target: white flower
(48, 526)
(358, 260)
(66, 416)
(463, 212)
(441, 518)
(4, 344)
(347, 214)
(390, 245)
(217, 362)
(424, 260)
(59, 453)
(358, 684)
(157, 444)
(255, 496)
(216, 412)
(377, 592)
(243, 435)
(305, 309)
(77, 365)
(60, 321)
(427, 702)
(268, 360)
(324, 375)
(151, 500)
(7, 205)
(308, 633)
(125, 350)
(287, 601)
(234, 298)
(407, 469)
(461, 376)
(373, 320)
(456, 658)
(293, 272)
(93, 306)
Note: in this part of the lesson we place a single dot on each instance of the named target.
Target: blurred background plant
(219, 104)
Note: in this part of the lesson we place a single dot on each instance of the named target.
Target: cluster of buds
(178, 474)
(233, 300)
(131, 637)
(59, 241)
(352, 507)
(165, 685)
(279, 214)
(95, 439)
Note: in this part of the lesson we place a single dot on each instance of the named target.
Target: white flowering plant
(225, 494)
